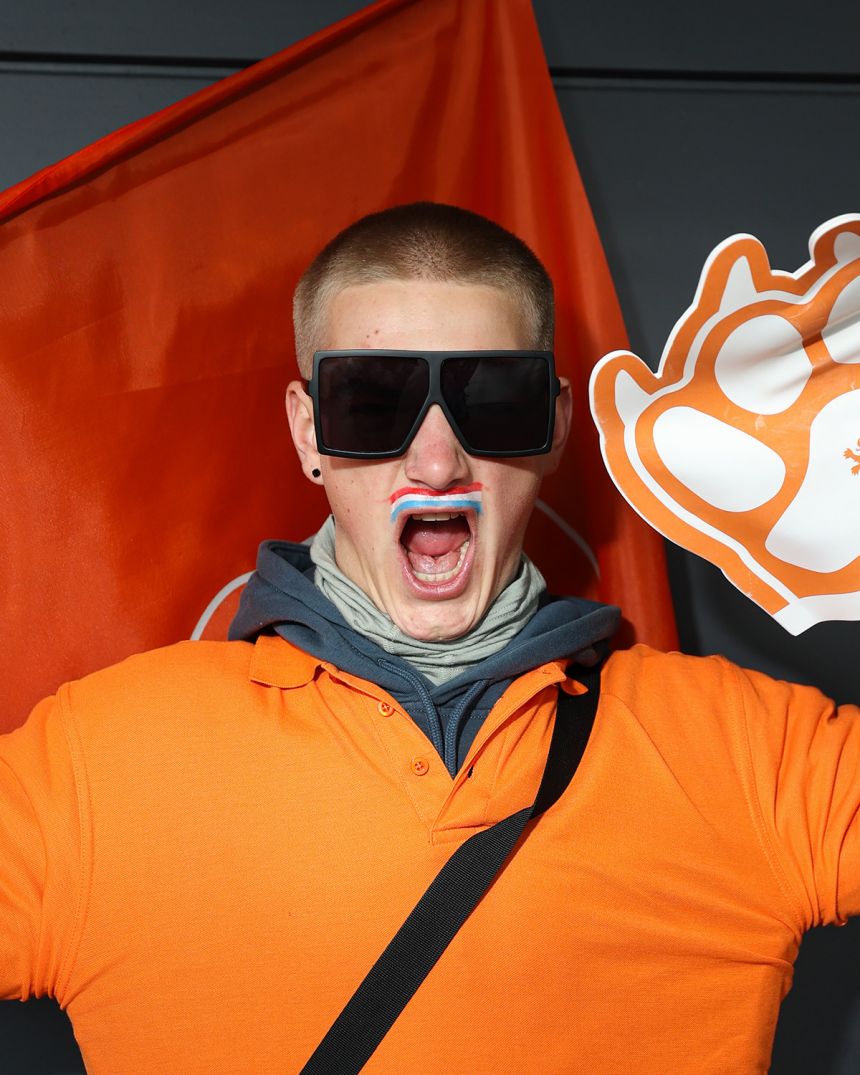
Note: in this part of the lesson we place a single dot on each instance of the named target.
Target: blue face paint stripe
(435, 503)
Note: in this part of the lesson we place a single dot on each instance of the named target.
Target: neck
(438, 661)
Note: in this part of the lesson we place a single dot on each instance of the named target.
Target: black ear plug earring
(316, 472)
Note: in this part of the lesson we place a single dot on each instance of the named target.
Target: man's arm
(805, 759)
(40, 855)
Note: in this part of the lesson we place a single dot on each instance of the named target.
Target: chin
(434, 623)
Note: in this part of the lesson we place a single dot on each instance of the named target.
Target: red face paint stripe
(411, 490)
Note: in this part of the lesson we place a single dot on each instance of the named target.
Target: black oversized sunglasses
(370, 404)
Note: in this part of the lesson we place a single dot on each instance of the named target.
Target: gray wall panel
(763, 36)
(191, 28)
(792, 36)
(46, 115)
(672, 169)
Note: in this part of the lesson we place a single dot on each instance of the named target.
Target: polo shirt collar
(278, 663)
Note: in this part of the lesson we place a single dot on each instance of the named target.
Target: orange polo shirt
(203, 850)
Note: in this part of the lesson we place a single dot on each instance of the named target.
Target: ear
(300, 414)
(563, 411)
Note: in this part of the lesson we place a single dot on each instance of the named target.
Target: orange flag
(145, 290)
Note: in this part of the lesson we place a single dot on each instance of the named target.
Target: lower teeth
(444, 576)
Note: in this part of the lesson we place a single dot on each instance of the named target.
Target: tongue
(434, 547)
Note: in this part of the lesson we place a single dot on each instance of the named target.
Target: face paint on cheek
(462, 498)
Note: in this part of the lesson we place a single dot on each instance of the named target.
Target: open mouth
(437, 550)
(436, 534)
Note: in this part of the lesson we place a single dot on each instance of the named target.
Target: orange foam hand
(744, 447)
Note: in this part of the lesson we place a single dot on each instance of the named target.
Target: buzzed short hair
(422, 241)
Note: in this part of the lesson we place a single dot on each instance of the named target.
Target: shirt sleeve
(805, 762)
(40, 855)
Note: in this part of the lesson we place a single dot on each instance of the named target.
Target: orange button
(420, 766)
(385, 709)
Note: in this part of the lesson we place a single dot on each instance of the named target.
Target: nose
(435, 457)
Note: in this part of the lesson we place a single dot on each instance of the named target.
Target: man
(206, 848)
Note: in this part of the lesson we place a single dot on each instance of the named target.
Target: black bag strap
(452, 896)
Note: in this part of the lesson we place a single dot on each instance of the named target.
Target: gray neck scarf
(438, 661)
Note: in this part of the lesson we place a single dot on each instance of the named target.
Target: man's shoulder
(183, 665)
(162, 700)
(170, 695)
(642, 658)
(187, 682)
(689, 694)
(650, 680)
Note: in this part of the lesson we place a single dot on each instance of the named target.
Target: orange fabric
(207, 846)
(144, 298)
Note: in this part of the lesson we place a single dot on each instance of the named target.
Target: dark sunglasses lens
(369, 403)
(500, 404)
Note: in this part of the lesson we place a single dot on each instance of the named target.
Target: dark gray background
(689, 123)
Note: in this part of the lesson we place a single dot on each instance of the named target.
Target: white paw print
(742, 446)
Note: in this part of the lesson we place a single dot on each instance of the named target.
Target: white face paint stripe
(437, 504)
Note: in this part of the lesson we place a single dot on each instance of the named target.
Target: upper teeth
(442, 518)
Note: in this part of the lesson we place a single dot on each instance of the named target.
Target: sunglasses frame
(435, 360)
